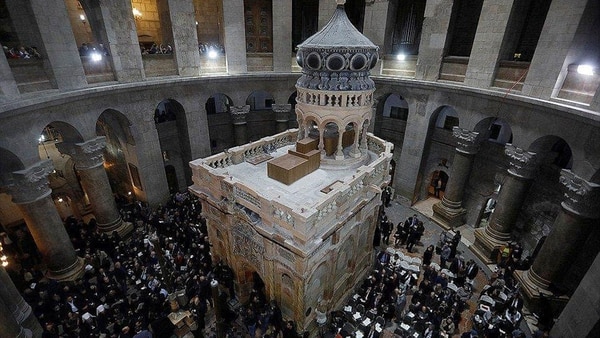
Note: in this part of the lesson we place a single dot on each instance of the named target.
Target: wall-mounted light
(212, 53)
(136, 13)
(96, 57)
(82, 18)
(401, 57)
(196, 23)
(585, 69)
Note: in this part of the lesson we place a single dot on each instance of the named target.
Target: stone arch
(171, 124)
(438, 149)
(395, 106)
(496, 129)
(218, 103)
(445, 117)
(119, 151)
(544, 198)
(260, 100)
(317, 283)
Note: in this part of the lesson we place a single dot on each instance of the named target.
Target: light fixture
(585, 69)
(60, 200)
(82, 18)
(42, 138)
(212, 54)
(136, 13)
(3, 258)
(96, 57)
(196, 23)
(401, 56)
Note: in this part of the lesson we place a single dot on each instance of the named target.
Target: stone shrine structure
(309, 240)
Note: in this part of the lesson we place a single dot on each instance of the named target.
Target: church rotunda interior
(491, 108)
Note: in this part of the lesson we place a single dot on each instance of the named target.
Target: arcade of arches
(508, 156)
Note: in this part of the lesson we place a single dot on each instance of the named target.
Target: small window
(399, 113)
(450, 122)
(495, 131)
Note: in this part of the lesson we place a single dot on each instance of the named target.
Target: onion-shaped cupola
(338, 57)
(335, 92)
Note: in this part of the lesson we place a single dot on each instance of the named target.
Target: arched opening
(391, 118)
(218, 108)
(261, 119)
(172, 178)
(438, 152)
(171, 125)
(437, 185)
(119, 153)
(260, 100)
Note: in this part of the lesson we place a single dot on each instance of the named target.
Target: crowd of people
(156, 49)
(21, 52)
(124, 291)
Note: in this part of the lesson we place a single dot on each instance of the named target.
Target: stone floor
(398, 211)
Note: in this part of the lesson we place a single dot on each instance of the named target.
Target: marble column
(282, 116)
(58, 43)
(235, 36)
(433, 39)
(523, 165)
(449, 212)
(573, 225)
(184, 36)
(8, 85)
(89, 164)
(282, 36)
(15, 304)
(116, 29)
(240, 127)
(9, 327)
(30, 192)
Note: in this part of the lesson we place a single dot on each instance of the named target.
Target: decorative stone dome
(338, 57)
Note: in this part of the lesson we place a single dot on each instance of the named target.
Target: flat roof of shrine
(304, 191)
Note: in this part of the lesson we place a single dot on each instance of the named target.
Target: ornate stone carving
(87, 154)
(239, 113)
(247, 243)
(581, 197)
(467, 141)
(30, 184)
(282, 112)
(523, 163)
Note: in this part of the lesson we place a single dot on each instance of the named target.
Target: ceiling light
(401, 57)
(585, 69)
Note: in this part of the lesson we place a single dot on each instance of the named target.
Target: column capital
(523, 163)
(86, 155)
(467, 141)
(30, 184)
(282, 112)
(239, 113)
(581, 197)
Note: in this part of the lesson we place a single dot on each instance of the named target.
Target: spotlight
(212, 54)
(401, 57)
(585, 69)
(96, 57)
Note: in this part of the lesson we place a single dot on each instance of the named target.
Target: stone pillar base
(532, 291)
(448, 218)
(121, 227)
(485, 247)
(70, 273)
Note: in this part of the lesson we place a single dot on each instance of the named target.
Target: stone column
(89, 164)
(235, 36)
(282, 116)
(375, 27)
(9, 327)
(282, 36)
(488, 42)
(548, 66)
(240, 127)
(449, 213)
(523, 165)
(58, 43)
(433, 39)
(30, 191)
(8, 85)
(15, 304)
(116, 29)
(185, 38)
(573, 225)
